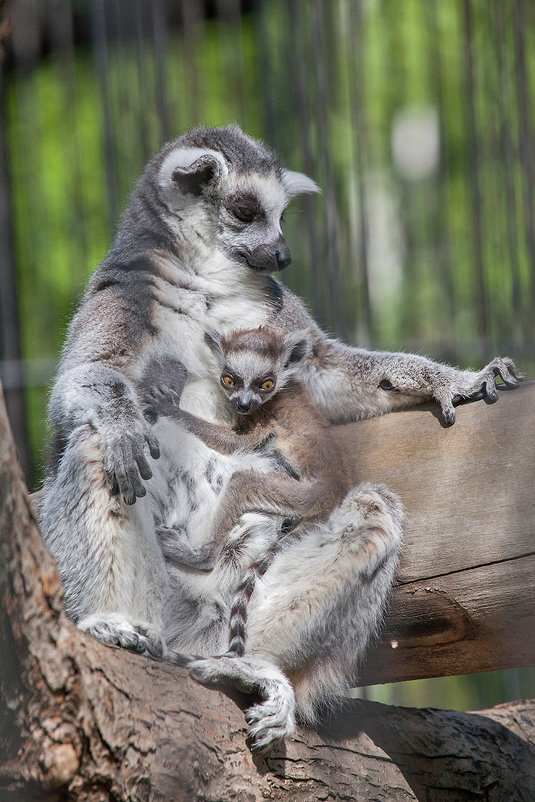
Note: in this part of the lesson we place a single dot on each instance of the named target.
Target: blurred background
(416, 117)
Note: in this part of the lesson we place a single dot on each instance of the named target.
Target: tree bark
(82, 721)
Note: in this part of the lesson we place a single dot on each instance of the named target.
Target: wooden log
(465, 594)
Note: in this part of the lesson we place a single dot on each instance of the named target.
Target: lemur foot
(274, 717)
(269, 722)
(116, 630)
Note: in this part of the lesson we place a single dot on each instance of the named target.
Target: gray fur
(184, 262)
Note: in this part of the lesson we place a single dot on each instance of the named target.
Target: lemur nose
(244, 406)
(283, 258)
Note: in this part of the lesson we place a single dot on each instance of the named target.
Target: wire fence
(414, 116)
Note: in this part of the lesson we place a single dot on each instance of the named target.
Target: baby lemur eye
(227, 380)
(267, 384)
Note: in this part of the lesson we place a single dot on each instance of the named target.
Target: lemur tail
(179, 659)
(290, 530)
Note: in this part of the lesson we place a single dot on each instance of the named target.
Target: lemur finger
(113, 484)
(127, 492)
(143, 466)
(490, 388)
(153, 444)
(446, 408)
(134, 480)
(477, 395)
(506, 369)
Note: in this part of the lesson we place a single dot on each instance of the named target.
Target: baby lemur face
(255, 364)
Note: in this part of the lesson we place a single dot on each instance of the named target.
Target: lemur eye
(267, 384)
(244, 213)
(227, 380)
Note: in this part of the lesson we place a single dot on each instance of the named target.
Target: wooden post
(465, 596)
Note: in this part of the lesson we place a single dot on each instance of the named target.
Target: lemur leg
(114, 563)
(315, 633)
(318, 632)
(177, 550)
(247, 491)
(268, 494)
(274, 717)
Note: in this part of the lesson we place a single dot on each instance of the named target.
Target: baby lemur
(273, 412)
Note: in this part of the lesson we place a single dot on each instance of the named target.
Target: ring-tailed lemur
(194, 251)
(273, 414)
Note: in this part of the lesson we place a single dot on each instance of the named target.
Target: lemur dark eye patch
(245, 207)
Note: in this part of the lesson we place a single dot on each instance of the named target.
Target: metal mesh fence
(414, 116)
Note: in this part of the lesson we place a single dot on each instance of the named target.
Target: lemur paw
(274, 717)
(160, 388)
(477, 385)
(218, 671)
(125, 460)
(116, 630)
(268, 723)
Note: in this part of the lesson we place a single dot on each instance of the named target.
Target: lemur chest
(185, 315)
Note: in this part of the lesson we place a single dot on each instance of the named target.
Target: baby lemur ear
(191, 170)
(297, 347)
(213, 341)
(298, 183)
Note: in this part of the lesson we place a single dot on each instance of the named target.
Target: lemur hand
(483, 385)
(124, 437)
(449, 386)
(160, 388)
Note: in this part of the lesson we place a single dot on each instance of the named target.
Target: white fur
(298, 183)
(183, 159)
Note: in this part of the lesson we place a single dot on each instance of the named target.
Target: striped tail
(290, 530)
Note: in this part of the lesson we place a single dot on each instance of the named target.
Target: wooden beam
(465, 596)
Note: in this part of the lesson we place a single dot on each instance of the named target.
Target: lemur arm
(95, 387)
(220, 436)
(350, 383)
(161, 390)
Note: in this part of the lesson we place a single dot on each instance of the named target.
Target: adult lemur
(194, 251)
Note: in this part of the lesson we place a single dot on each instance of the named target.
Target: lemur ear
(298, 183)
(297, 347)
(191, 170)
(213, 341)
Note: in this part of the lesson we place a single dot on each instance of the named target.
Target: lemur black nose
(243, 406)
(283, 258)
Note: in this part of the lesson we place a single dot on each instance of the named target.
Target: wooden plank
(465, 599)
(480, 619)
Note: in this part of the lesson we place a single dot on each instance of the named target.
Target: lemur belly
(189, 477)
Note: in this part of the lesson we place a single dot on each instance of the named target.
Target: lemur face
(255, 364)
(232, 192)
(250, 222)
(248, 379)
